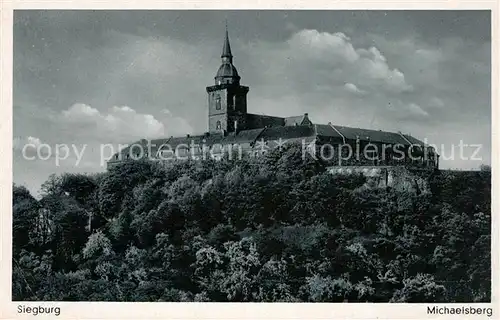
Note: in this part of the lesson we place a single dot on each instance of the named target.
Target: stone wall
(396, 177)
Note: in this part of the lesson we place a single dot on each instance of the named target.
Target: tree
(26, 227)
(274, 282)
(485, 167)
(327, 289)
(275, 228)
(421, 288)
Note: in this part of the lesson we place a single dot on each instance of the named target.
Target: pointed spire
(227, 72)
(226, 49)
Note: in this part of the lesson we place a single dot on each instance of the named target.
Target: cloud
(335, 50)
(330, 76)
(175, 125)
(121, 123)
(353, 88)
(80, 112)
(321, 44)
(34, 149)
(373, 64)
(417, 110)
(436, 103)
(18, 143)
(30, 147)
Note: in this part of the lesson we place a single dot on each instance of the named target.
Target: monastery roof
(371, 135)
(414, 140)
(293, 121)
(285, 133)
(244, 136)
(261, 121)
(326, 130)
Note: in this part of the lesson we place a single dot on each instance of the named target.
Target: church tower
(227, 99)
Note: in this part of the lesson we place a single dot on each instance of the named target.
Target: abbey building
(232, 127)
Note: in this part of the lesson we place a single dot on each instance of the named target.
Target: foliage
(421, 288)
(275, 228)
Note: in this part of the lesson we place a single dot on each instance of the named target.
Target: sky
(95, 79)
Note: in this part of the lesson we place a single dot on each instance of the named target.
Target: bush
(276, 228)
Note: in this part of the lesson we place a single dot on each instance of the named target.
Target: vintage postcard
(227, 161)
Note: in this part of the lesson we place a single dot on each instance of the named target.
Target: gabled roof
(287, 132)
(280, 133)
(414, 140)
(244, 136)
(371, 135)
(297, 120)
(255, 121)
(292, 121)
(326, 130)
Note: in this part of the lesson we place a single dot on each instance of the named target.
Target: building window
(217, 102)
(372, 155)
(196, 150)
(218, 125)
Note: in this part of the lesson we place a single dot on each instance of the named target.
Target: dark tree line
(276, 228)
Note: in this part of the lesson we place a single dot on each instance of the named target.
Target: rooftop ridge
(333, 127)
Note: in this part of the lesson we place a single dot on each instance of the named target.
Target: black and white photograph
(297, 156)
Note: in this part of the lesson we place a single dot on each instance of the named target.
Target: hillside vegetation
(277, 228)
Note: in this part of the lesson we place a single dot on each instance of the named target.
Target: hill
(276, 228)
